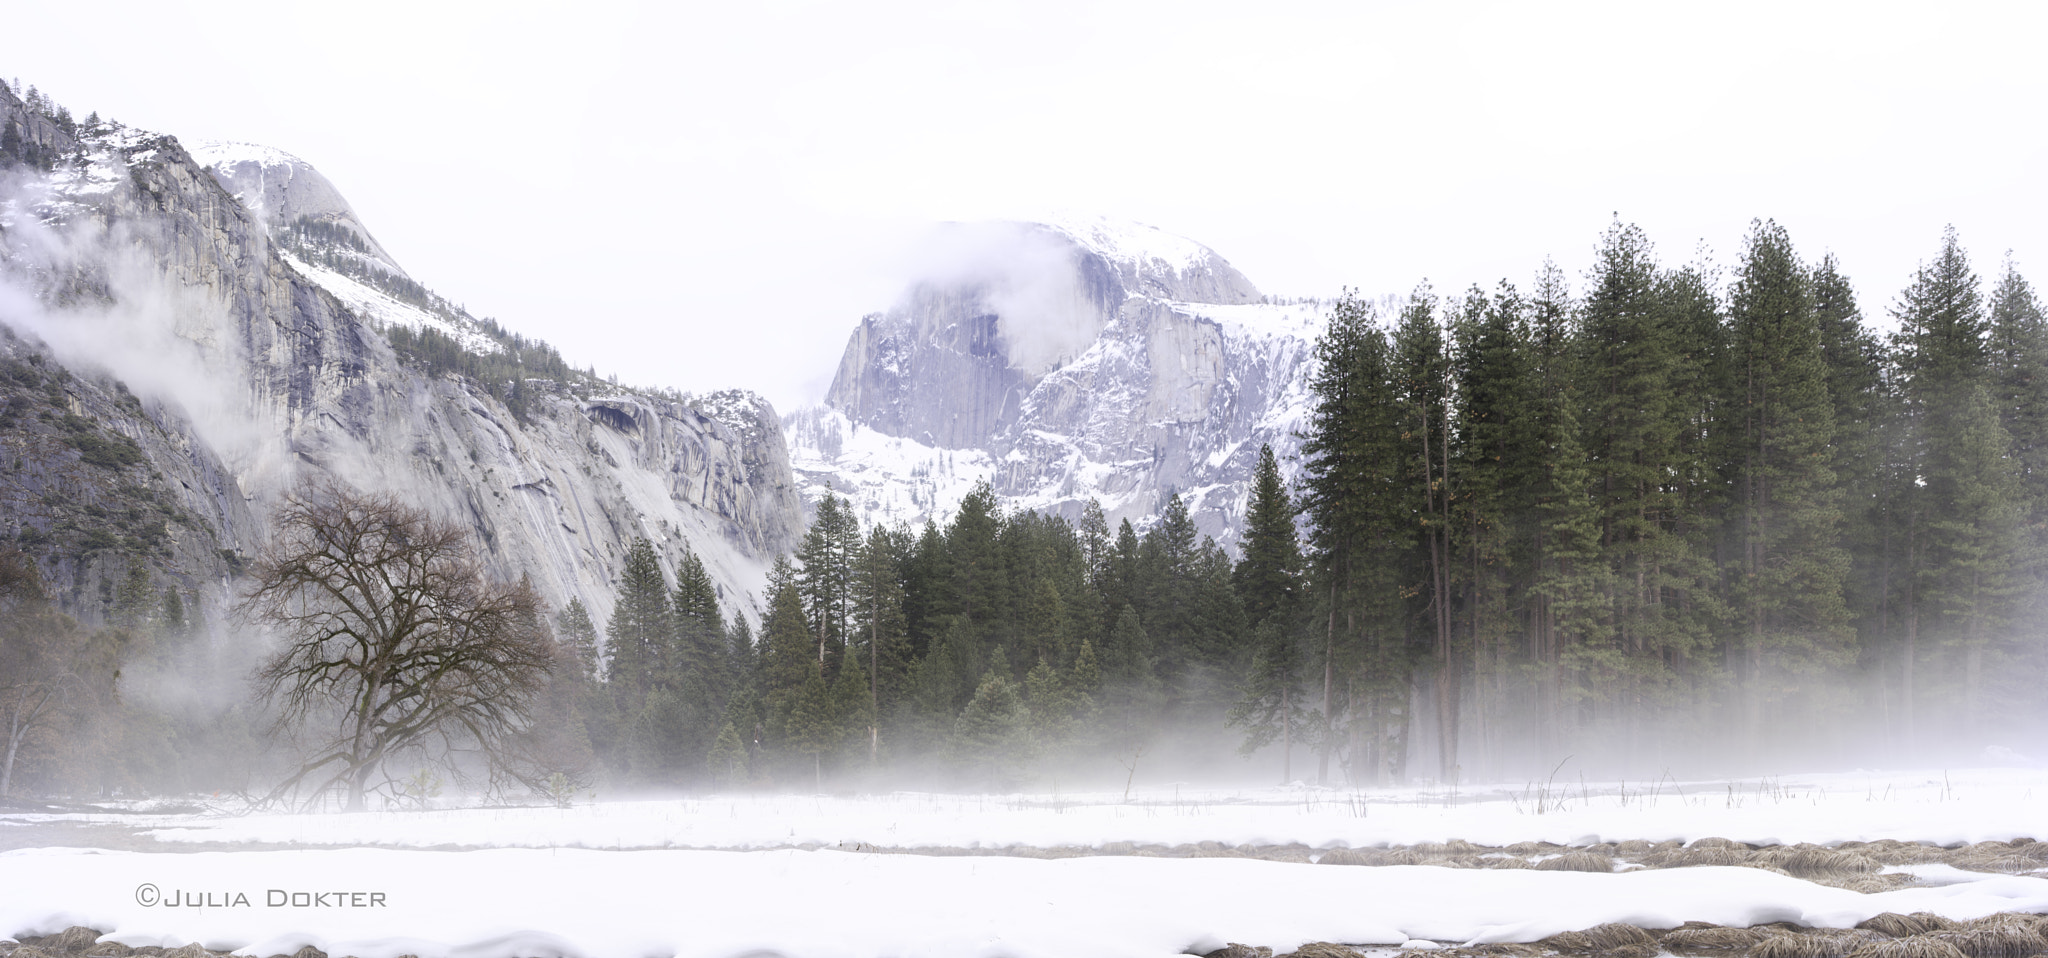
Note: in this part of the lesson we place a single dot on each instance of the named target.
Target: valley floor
(1162, 872)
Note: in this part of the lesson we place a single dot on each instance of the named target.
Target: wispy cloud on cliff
(1026, 276)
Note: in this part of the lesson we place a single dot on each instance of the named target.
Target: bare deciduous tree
(392, 634)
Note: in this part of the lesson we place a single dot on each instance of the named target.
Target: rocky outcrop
(1066, 361)
(143, 275)
(280, 189)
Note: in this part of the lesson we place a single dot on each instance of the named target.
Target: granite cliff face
(155, 303)
(1063, 362)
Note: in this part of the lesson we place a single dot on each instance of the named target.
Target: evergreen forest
(1668, 520)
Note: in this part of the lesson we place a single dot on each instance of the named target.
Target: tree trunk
(874, 674)
(1329, 667)
(15, 730)
(1912, 611)
(357, 785)
(1286, 740)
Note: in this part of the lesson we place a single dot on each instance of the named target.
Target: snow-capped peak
(1123, 241)
(225, 152)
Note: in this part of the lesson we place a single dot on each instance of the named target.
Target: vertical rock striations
(146, 298)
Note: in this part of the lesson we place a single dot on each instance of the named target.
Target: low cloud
(1028, 277)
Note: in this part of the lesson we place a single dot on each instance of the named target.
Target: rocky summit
(1061, 362)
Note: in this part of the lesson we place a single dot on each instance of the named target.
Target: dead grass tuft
(1813, 943)
(1579, 860)
(1371, 856)
(1568, 941)
(1891, 924)
(2007, 919)
(1711, 939)
(1690, 857)
(2007, 940)
(1323, 949)
(1501, 861)
(1505, 949)
(1235, 950)
(74, 938)
(1999, 857)
(1815, 860)
(1915, 946)
(1894, 852)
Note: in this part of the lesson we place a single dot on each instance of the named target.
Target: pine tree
(1862, 406)
(2019, 340)
(1644, 336)
(1942, 356)
(1498, 459)
(975, 569)
(1974, 514)
(698, 675)
(1097, 547)
(993, 734)
(2019, 352)
(854, 713)
(576, 633)
(827, 560)
(1355, 495)
(728, 757)
(787, 655)
(1269, 704)
(1791, 566)
(1423, 367)
(743, 658)
(700, 626)
(1267, 578)
(788, 667)
(1167, 588)
(881, 632)
(641, 629)
(810, 724)
(1568, 582)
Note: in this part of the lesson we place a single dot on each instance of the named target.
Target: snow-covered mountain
(1062, 361)
(225, 317)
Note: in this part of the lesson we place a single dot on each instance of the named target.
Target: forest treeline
(1665, 518)
(971, 652)
(1672, 515)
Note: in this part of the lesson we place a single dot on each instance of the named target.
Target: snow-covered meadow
(1163, 870)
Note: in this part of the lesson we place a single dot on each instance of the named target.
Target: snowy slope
(385, 310)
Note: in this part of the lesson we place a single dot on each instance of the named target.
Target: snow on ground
(1972, 806)
(826, 903)
(632, 879)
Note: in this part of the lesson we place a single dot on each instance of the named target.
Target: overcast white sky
(703, 195)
